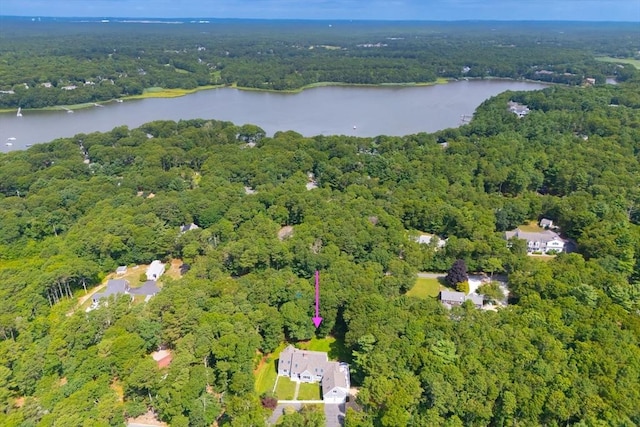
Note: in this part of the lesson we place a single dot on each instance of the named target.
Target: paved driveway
(335, 414)
(279, 411)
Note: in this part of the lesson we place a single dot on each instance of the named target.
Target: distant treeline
(60, 63)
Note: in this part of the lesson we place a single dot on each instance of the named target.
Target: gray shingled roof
(335, 376)
(539, 236)
(114, 287)
(452, 296)
(148, 288)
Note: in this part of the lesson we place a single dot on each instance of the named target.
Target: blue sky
(581, 10)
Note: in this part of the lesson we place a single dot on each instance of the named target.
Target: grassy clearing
(631, 61)
(426, 287)
(334, 347)
(266, 372)
(309, 391)
(159, 92)
(531, 227)
(285, 389)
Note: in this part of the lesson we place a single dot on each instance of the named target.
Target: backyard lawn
(531, 227)
(425, 287)
(333, 347)
(266, 371)
(285, 389)
(309, 391)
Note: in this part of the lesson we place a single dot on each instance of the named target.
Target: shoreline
(158, 92)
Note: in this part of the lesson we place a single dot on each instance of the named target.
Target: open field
(634, 62)
(426, 287)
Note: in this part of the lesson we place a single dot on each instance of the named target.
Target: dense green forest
(566, 351)
(63, 62)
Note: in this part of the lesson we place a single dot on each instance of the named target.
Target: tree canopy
(565, 351)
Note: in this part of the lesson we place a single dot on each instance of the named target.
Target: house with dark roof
(114, 287)
(451, 298)
(148, 289)
(313, 367)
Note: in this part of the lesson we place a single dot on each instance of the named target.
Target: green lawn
(267, 372)
(334, 347)
(634, 62)
(309, 391)
(285, 389)
(531, 227)
(425, 287)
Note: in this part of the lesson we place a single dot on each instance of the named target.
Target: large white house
(314, 366)
(545, 242)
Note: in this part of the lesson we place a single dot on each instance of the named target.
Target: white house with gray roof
(313, 367)
(545, 241)
(453, 298)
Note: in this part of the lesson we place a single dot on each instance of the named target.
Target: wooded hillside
(565, 351)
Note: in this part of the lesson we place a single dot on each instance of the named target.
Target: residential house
(114, 287)
(155, 270)
(545, 242)
(148, 288)
(425, 239)
(518, 109)
(335, 383)
(185, 228)
(162, 357)
(546, 223)
(450, 299)
(313, 367)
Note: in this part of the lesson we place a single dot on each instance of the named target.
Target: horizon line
(147, 18)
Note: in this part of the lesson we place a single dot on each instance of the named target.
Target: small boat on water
(19, 114)
(11, 138)
(119, 100)
(9, 144)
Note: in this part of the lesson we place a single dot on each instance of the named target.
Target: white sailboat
(19, 112)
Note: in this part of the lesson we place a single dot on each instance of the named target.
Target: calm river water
(360, 111)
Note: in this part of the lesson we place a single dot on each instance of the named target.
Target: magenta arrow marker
(317, 319)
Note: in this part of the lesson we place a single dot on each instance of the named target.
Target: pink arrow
(317, 319)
